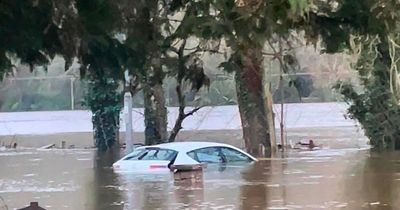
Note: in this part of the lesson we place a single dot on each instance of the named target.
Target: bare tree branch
(182, 71)
(182, 115)
(193, 111)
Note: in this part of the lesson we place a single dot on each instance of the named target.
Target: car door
(221, 161)
(207, 155)
(151, 159)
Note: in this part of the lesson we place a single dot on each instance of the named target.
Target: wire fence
(67, 93)
(41, 93)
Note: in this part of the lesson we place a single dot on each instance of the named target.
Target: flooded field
(343, 175)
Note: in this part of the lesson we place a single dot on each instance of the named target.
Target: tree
(133, 35)
(102, 57)
(145, 40)
(189, 68)
(146, 34)
(154, 32)
(35, 31)
(375, 24)
(376, 107)
(30, 31)
(107, 38)
(245, 26)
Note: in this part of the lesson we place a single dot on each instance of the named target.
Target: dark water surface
(331, 178)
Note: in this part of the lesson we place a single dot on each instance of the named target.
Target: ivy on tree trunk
(104, 100)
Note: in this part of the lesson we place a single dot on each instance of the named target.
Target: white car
(163, 157)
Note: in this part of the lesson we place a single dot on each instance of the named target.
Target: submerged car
(163, 157)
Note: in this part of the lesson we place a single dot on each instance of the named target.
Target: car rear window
(152, 153)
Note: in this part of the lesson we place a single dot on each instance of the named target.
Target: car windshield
(152, 153)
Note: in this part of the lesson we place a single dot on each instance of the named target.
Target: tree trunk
(270, 113)
(105, 130)
(155, 113)
(178, 126)
(251, 103)
(181, 116)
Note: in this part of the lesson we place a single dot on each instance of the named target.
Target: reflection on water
(189, 193)
(106, 190)
(82, 179)
(254, 194)
(378, 185)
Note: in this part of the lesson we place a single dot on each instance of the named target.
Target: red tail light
(157, 166)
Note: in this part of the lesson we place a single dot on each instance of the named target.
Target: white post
(128, 117)
(72, 94)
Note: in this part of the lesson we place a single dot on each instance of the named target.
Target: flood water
(344, 174)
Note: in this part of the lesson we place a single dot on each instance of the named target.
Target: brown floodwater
(339, 176)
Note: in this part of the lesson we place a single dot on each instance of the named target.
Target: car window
(152, 154)
(158, 154)
(232, 155)
(135, 154)
(192, 155)
(207, 155)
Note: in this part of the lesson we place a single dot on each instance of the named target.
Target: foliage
(105, 102)
(245, 27)
(376, 107)
(102, 57)
(107, 37)
(336, 23)
(144, 37)
(33, 31)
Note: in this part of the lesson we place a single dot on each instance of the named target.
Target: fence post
(128, 115)
(72, 93)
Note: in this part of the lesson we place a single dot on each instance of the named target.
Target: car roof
(187, 146)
